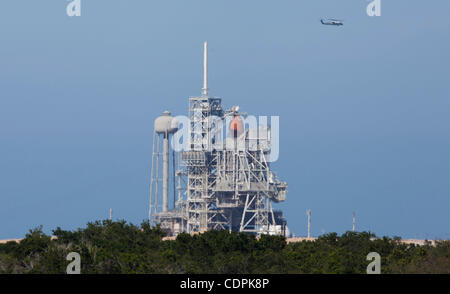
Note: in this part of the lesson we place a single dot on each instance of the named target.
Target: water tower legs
(165, 172)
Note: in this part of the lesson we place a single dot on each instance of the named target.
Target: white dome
(166, 123)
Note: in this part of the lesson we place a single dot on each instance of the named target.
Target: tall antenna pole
(110, 214)
(354, 222)
(205, 69)
(308, 213)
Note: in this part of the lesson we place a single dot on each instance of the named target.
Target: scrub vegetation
(119, 247)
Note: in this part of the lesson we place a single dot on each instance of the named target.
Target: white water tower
(165, 125)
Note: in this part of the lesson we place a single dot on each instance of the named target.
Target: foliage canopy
(120, 247)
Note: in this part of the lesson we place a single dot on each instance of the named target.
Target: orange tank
(236, 126)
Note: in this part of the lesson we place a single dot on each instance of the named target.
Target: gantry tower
(224, 180)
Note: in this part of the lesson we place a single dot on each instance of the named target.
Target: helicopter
(332, 22)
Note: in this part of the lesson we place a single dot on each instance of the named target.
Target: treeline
(119, 247)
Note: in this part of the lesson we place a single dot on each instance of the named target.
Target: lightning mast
(354, 221)
(205, 69)
(308, 213)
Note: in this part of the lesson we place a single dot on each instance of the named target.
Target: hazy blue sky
(364, 108)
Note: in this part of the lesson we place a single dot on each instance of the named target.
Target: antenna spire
(308, 213)
(354, 221)
(205, 69)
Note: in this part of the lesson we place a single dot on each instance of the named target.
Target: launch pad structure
(217, 184)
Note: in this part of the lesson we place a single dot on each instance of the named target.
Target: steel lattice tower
(221, 187)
